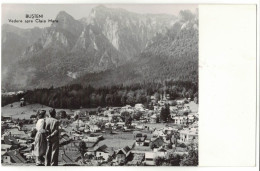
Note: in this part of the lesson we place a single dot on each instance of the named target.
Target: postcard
(127, 84)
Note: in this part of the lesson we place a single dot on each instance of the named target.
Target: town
(111, 136)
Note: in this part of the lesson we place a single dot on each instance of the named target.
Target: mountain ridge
(107, 41)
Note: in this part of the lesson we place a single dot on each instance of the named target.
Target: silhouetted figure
(52, 126)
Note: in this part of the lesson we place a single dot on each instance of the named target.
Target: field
(30, 109)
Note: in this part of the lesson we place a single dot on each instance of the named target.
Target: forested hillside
(169, 56)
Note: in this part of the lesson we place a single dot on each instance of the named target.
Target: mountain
(107, 47)
(172, 55)
(128, 32)
(15, 40)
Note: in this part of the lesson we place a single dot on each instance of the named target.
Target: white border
(162, 2)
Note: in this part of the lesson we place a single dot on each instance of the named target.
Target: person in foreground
(52, 127)
(40, 143)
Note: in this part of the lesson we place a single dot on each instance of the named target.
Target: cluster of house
(149, 143)
(15, 143)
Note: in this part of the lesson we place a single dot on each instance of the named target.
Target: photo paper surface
(100, 85)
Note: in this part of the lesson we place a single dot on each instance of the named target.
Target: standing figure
(52, 127)
(40, 143)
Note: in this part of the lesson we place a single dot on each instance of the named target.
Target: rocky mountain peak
(107, 39)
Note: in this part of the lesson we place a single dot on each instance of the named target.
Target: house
(127, 108)
(134, 125)
(161, 102)
(156, 142)
(180, 102)
(7, 118)
(78, 123)
(191, 118)
(77, 136)
(169, 130)
(159, 132)
(153, 118)
(173, 115)
(9, 140)
(64, 139)
(90, 145)
(139, 141)
(16, 133)
(111, 116)
(22, 102)
(94, 128)
(93, 118)
(139, 126)
(103, 118)
(147, 142)
(109, 125)
(13, 157)
(69, 157)
(103, 153)
(160, 152)
(22, 142)
(122, 155)
(120, 124)
(186, 109)
(65, 158)
(70, 147)
(180, 120)
(189, 135)
(139, 107)
(173, 109)
(5, 147)
(137, 159)
(149, 158)
(93, 138)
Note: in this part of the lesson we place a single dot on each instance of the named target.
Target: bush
(182, 145)
(191, 159)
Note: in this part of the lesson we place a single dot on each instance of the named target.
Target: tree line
(78, 96)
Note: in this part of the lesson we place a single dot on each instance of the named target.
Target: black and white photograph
(127, 84)
(99, 85)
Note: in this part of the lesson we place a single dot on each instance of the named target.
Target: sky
(50, 11)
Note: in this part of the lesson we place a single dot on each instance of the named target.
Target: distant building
(22, 102)
(122, 155)
(156, 142)
(127, 108)
(103, 152)
(13, 157)
(153, 118)
(180, 102)
(139, 141)
(180, 120)
(7, 118)
(5, 147)
(189, 135)
(93, 138)
(149, 158)
(94, 128)
(169, 130)
(139, 107)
